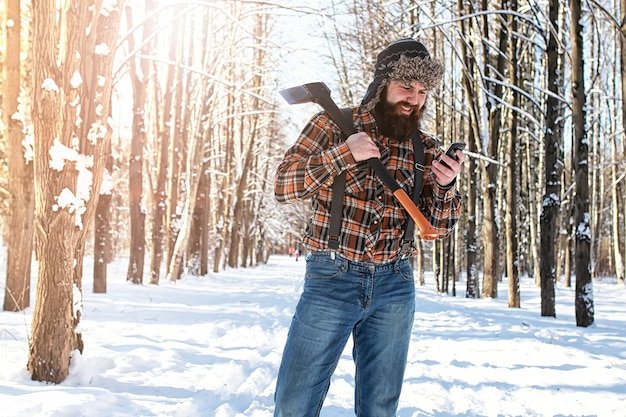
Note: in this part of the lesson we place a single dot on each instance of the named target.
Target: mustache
(399, 105)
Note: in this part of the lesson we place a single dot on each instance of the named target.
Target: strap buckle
(405, 246)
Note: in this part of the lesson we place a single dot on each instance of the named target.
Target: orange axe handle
(427, 231)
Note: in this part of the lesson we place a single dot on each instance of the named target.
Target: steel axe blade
(305, 93)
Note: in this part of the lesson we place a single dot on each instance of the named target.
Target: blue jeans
(374, 303)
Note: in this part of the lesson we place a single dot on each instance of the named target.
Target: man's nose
(412, 98)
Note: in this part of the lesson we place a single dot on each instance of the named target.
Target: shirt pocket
(355, 181)
(405, 179)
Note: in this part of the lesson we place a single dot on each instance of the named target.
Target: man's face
(408, 98)
(401, 108)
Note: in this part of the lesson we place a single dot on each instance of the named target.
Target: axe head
(306, 93)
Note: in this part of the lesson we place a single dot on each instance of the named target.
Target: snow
(76, 80)
(211, 346)
(49, 85)
(75, 202)
(102, 49)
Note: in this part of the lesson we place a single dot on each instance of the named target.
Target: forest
(150, 130)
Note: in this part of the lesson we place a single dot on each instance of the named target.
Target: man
(364, 287)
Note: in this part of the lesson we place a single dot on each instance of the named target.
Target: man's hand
(446, 175)
(362, 147)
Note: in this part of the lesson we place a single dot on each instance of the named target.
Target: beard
(393, 123)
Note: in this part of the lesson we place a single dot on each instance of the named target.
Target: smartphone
(451, 152)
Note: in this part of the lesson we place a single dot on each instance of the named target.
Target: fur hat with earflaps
(404, 60)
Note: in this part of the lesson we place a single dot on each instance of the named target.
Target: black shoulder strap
(336, 206)
(336, 209)
(418, 155)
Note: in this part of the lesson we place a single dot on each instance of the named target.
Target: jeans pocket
(406, 272)
(322, 269)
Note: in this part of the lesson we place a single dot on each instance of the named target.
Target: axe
(319, 93)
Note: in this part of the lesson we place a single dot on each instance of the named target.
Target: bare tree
(164, 103)
(72, 76)
(102, 229)
(619, 259)
(140, 79)
(20, 229)
(553, 164)
(584, 286)
(510, 218)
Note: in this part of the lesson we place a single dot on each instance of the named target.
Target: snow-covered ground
(211, 346)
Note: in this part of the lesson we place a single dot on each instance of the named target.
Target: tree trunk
(619, 259)
(102, 231)
(512, 185)
(139, 80)
(66, 192)
(471, 252)
(490, 232)
(615, 223)
(20, 229)
(177, 154)
(194, 166)
(159, 233)
(584, 286)
(474, 141)
(436, 266)
(552, 186)
(419, 261)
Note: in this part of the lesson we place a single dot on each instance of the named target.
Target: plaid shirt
(373, 220)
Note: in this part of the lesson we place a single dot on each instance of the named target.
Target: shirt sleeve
(441, 205)
(317, 156)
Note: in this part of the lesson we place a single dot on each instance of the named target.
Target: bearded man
(361, 284)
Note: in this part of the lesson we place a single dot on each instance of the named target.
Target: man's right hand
(362, 147)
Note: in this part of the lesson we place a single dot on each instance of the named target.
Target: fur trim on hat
(426, 71)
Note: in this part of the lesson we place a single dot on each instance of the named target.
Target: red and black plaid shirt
(373, 220)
